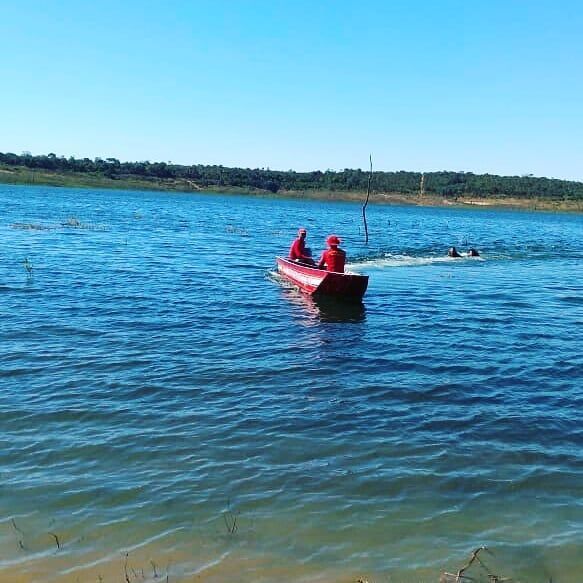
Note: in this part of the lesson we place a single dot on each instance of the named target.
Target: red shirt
(334, 259)
(296, 251)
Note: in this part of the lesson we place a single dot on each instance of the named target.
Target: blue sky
(483, 86)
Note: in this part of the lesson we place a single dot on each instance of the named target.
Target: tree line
(446, 184)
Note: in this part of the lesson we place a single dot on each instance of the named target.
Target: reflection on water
(332, 310)
(327, 309)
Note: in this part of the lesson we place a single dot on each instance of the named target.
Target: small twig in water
(154, 569)
(229, 517)
(20, 539)
(28, 266)
(16, 527)
(474, 557)
(459, 576)
(449, 577)
(56, 539)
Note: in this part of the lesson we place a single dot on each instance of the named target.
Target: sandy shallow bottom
(149, 564)
(152, 563)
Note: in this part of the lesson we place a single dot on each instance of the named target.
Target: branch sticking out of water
(56, 539)
(28, 266)
(21, 538)
(460, 576)
(154, 569)
(16, 527)
(366, 203)
(230, 521)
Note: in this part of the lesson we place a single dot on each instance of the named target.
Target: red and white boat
(316, 282)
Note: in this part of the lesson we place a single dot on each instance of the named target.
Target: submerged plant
(72, 222)
(230, 519)
(27, 266)
(75, 223)
(30, 227)
(234, 230)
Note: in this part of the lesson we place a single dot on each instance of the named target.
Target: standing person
(334, 258)
(298, 251)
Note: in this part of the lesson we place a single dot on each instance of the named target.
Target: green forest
(444, 184)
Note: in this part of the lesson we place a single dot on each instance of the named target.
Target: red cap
(333, 240)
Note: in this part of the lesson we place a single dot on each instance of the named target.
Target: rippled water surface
(169, 408)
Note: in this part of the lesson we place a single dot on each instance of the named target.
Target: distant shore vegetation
(408, 187)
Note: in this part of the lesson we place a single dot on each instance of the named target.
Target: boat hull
(318, 282)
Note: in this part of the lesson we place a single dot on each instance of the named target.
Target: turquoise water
(164, 395)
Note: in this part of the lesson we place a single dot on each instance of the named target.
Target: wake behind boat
(316, 282)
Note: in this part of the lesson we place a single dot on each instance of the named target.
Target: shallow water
(164, 395)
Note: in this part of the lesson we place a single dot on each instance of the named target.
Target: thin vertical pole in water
(366, 202)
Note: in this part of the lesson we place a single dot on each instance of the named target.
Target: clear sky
(475, 85)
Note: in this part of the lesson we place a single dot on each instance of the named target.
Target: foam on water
(398, 260)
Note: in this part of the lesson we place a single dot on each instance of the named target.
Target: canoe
(319, 282)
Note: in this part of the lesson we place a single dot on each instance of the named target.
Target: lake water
(170, 409)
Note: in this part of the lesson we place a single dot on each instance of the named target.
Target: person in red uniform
(298, 251)
(333, 258)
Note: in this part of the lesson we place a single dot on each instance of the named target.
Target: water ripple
(157, 386)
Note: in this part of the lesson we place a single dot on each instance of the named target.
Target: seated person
(298, 251)
(334, 258)
(452, 252)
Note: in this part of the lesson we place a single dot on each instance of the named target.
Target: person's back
(334, 259)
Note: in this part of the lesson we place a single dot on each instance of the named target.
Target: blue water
(164, 395)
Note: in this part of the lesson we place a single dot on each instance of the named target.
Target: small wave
(575, 300)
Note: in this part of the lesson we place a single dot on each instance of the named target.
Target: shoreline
(26, 177)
